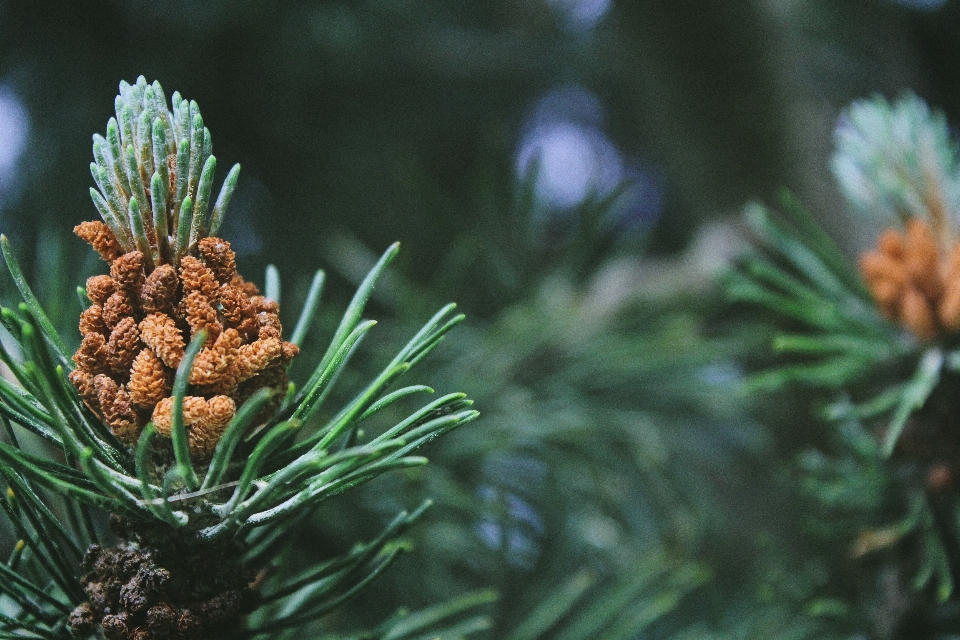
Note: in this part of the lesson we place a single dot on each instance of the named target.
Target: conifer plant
(152, 475)
(881, 341)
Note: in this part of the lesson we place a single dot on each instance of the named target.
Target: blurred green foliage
(362, 114)
(616, 485)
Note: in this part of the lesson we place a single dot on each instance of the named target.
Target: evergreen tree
(175, 420)
(877, 341)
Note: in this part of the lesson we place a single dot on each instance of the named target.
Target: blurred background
(570, 172)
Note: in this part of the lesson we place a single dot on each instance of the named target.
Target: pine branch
(187, 473)
(881, 339)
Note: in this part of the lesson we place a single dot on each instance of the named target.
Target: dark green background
(387, 118)
(399, 120)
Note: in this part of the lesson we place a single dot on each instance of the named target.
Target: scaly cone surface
(168, 281)
(175, 343)
(898, 160)
(136, 331)
(913, 281)
(162, 586)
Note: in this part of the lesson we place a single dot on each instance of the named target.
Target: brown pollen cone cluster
(914, 280)
(135, 334)
(175, 589)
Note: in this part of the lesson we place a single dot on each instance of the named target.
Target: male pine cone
(915, 279)
(136, 331)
